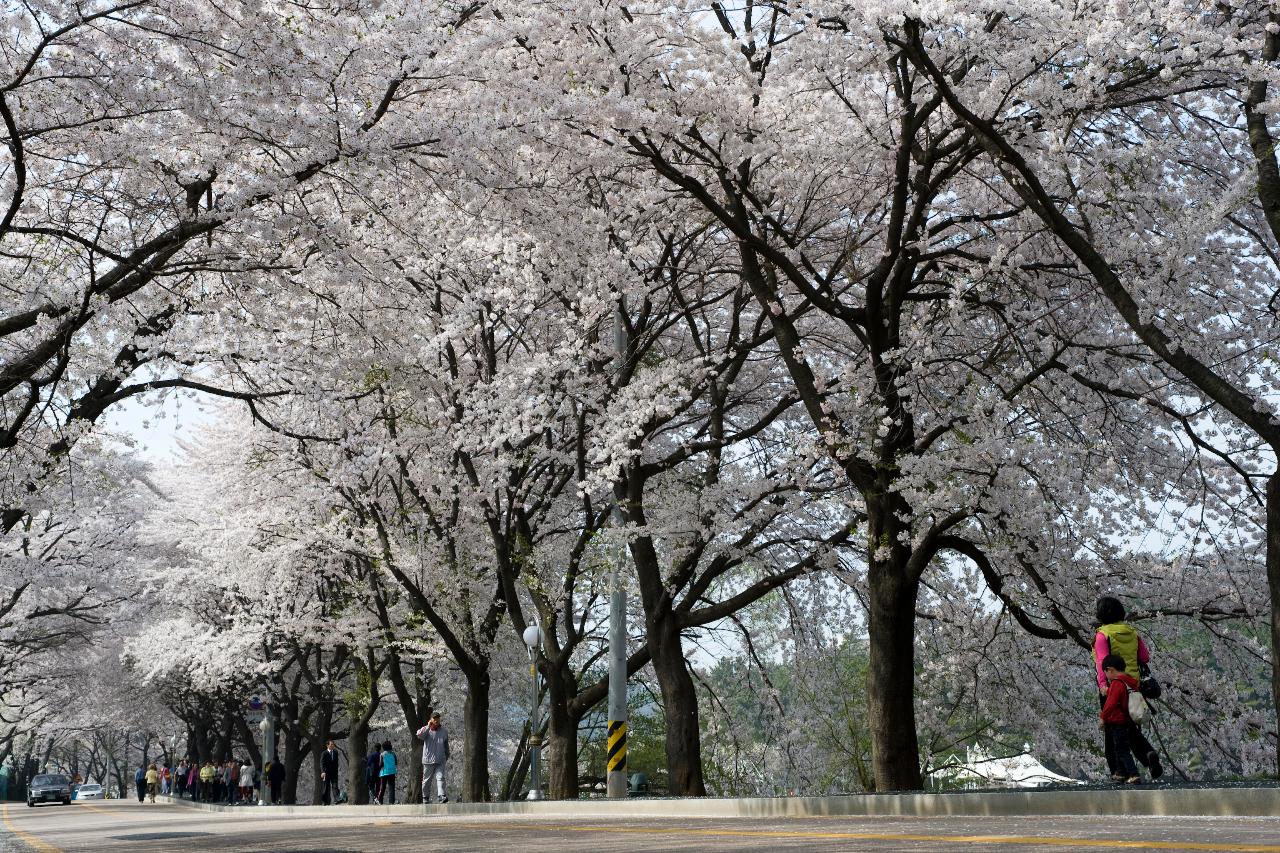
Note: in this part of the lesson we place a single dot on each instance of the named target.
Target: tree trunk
(1273, 582)
(250, 741)
(895, 752)
(560, 755)
(319, 735)
(666, 652)
(416, 707)
(679, 707)
(475, 757)
(294, 755)
(357, 749)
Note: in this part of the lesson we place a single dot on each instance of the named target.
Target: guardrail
(1161, 801)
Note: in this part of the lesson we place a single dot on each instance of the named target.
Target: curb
(1164, 802)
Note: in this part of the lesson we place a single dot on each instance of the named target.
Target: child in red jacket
(1115, 717)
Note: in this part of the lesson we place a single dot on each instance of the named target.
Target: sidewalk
(1158, 801)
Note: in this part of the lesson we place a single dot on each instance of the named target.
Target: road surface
(158, 828)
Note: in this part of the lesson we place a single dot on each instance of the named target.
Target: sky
(154, 429)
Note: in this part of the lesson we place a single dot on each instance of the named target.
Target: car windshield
(90, 787)
(50, 780)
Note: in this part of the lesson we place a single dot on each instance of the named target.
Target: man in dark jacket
(329, 773)
(140, 782)
(372, 764)
(275, 778)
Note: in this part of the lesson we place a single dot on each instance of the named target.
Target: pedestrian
(1115, 719)
(140, 782)
(246, 782)
(275, 778)
(1117, 637)
(435, 752)
(329, 773)
(180, 778)
(153, 782)
(164, 779)
(193, 780)
(231, 778)
(387, 776)
(206, 781)
(372, 767)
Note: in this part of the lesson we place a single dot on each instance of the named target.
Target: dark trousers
(1118, 743)
(1140, 748)
(142, 790)
(275, 792)
(330, 784)
(387, 790)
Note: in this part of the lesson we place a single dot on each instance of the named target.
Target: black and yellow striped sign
(617, 756)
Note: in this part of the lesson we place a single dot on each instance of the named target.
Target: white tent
(1017, 771)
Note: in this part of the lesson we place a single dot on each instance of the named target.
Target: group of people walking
(233, 782)
(381, 764)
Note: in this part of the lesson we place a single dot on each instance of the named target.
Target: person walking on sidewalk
(387, 777)
(275, 778)
(1115, 720)
(153, 782)
(435, 752)
(140, 782)
(246, 782)
(329, 774)
(206, 782)
(1117, 637)
(372, 767)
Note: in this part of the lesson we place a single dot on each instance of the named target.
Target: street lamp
(268, 752)
(533, 639)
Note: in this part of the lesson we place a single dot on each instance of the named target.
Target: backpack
(1139, 710)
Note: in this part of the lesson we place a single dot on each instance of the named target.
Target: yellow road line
(99, 809)
(27, 838)
(1028, 840)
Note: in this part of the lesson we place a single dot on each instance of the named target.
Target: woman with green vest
(1117, 637)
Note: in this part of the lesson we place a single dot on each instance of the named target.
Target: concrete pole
(616, 750)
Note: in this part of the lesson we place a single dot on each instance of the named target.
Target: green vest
(1123, 639)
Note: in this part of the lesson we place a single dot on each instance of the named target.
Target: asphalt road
(158, 828)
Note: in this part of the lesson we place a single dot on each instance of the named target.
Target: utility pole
(616, 754)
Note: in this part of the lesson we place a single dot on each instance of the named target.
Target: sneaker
(1117, 777)
(444, 799)
(1153, 764)
(1133, 780)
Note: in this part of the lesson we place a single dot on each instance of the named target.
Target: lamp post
(268, 729)
(533, 639)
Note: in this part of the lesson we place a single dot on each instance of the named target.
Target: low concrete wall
(1224, 802)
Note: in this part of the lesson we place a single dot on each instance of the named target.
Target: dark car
(49, 788)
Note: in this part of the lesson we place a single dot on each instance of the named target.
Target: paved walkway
(125, 825)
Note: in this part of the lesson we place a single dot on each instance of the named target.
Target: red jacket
(1116, 709)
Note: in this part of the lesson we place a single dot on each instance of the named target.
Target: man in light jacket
(435, 752)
